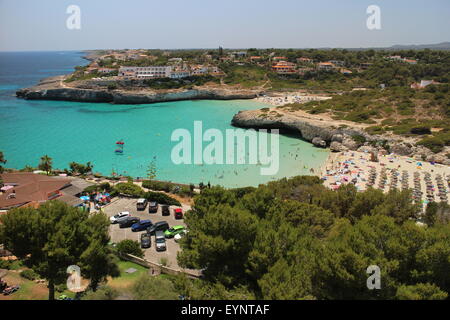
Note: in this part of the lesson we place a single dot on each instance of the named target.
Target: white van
(141, 204)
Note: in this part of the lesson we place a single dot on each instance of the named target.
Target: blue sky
(41, 25)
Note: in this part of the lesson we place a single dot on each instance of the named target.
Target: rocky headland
(337, 135)
(56, 89)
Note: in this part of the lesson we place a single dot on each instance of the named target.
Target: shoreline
(54, 88)
(428, 182)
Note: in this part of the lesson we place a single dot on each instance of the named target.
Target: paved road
(117, 234)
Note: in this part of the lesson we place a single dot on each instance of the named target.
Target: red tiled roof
(29, 187)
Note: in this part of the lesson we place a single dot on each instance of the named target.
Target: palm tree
(89, 167)
(2, 160)
(46, 164)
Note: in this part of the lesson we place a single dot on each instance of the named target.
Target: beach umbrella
(84, 198)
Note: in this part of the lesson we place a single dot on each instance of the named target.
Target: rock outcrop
(319, 142)
(336, 137)
(319, 133)
(54, 88)
(125, 97)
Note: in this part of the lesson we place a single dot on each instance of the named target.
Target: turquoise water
(81, 132)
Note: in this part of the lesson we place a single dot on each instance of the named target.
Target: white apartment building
(146, 72)
(179, 74)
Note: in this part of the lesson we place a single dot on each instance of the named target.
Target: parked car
(141, 225)
(165, 210)
(141, 204)
(117, 217)
(171, 232)
(146, 240)
(128, 221)
(158, 226)
(160, 241)
(178, 213)
(152, 207)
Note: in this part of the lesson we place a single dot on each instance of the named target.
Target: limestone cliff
(336, 135)
(55, 89)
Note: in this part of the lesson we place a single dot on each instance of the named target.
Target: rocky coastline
(323, 133)
(337, 136)
(55, 89)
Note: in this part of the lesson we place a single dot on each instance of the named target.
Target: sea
(81, 132)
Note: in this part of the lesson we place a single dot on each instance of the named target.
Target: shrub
(5, 264)
(167, 187)
(420, 130)
(161, 198)
(156, 185)
(61, 287)
(128, 246)
(129, 189)
(375, 130)
(29, 274)
(91, 189)
(164, 261)
(359, 139)
(434, 144)
(103, 293)
(154, 288)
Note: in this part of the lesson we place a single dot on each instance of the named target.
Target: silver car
(160, 241)
(119, 216)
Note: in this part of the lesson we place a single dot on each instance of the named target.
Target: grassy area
(30, 290)
(125, 280)
(245, 75)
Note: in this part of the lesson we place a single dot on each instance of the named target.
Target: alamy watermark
(374, 20)
(229, 148)
(73, 22)
(74, 280)
(374, 280)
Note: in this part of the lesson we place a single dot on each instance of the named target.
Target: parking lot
(117, 234)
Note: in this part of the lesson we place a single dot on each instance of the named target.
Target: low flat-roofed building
(327, 66)
(30, 189)
(178, 74)
(145, 72)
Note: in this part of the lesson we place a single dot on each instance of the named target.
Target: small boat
(120, 142)
(118, 151)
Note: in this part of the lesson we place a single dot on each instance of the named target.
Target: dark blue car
(141, 225)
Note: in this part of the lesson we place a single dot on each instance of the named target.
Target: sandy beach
(429, 181)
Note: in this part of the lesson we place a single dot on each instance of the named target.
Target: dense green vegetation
(295, 239)
(431, 64)
(154, 288)
(79, 168)
(79, 74)
(398, 110)
(171, 187)
(129, 246)
(132, 190)
(247, 75)
(2, 161)
(187, 82)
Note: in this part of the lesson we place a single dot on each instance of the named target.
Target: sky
(31, 25)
